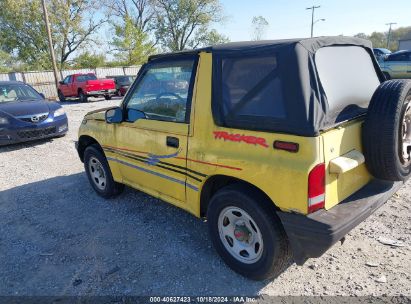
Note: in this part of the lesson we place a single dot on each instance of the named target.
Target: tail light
(316, 188)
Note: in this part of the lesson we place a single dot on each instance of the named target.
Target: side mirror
(114, 115)
(42, 95)
(134, 115)
(61, 82)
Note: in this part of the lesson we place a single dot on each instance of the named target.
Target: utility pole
(312, 8)
(389, 33)
(53, 57)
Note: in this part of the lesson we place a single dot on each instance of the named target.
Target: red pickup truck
(84, 86)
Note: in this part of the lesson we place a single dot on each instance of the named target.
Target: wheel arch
(85, 141)
(217, 182)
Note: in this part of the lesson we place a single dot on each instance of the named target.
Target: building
(405, 42)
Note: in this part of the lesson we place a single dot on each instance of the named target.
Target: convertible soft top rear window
(292, 86)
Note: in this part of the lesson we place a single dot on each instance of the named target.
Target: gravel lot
(57, 237)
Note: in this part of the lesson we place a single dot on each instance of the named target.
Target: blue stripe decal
(153, 172)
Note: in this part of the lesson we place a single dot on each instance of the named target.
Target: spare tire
(386, 133)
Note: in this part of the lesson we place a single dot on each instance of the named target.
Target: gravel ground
(57, 237)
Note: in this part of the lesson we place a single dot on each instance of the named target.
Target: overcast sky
(290, 19)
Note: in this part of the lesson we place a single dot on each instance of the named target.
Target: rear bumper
(312, 235)
(101, 92)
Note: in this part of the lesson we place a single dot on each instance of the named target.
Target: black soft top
(310, 44)
(306, 108)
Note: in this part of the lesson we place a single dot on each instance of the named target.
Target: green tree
(379, 39)
(22, 29)
(259, 27)
(22, 32)
(132, 45)
(185, 24)
(89, 60)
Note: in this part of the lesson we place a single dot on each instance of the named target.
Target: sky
(290, 19)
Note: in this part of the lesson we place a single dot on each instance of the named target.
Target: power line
(389, 33)
(312, 8)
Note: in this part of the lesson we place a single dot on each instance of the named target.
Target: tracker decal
(164, 165)
(251, 140)
(154, 173)
(155, 159)
(182, 158)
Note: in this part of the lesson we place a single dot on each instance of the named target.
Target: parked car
(282, 154)
(397, 65)
(26, 115)
(381, 53)
(122, 82)
(83, 86)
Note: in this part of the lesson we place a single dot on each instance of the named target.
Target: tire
(61, 96)
(387, 76)
(107, 97)
(387, 131)
(267, 260)
(99, 173)
(83, 97)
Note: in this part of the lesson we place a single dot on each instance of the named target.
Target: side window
(250, 87)
(398, 57)
(67, 80)
(164, 91)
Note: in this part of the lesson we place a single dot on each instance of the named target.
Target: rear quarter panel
(281, 175)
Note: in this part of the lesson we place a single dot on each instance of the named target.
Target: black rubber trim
(312, 235)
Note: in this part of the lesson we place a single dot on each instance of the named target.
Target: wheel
(83, 97)
(387, 131)
(387, 75)
(99, 174)
(107, 97)
(247, 234)
(61, 96)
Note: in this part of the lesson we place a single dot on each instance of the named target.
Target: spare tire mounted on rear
(387, 131)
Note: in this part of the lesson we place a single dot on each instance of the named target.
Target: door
(66, 86)
(151, 149)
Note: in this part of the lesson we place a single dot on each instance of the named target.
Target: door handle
(173, 142)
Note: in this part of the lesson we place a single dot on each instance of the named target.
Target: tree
(74, 22)
(22, 29)
(22, 32)
(185, 24)
(132, 45)
(89, 60)
(379, 39)
(259, 27)
(138, 12)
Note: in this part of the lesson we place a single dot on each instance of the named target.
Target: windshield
(82, 78)
(125, 79)
(17, 92)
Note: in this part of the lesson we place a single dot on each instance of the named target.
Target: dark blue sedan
(25, 114)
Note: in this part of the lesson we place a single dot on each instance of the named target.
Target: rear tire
(247, 233)
(387, 131)
(107, 97)
(99, 173)
(83, 97)
(61, 96)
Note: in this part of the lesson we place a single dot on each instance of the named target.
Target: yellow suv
(278, 144)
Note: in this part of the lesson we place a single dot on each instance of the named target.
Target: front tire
(61, 96)
(107, 97)
(247, 234)
(99, 173)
